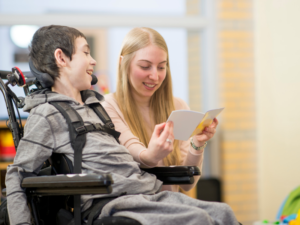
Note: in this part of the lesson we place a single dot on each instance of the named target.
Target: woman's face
(147, 71)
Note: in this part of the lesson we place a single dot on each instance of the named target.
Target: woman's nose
(154, 75)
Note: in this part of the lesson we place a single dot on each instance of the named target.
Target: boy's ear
(61, 58)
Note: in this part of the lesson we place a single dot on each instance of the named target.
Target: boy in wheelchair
(63, 53)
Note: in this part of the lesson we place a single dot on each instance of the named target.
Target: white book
(188, 123)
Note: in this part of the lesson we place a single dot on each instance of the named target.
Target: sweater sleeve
(127, 138)
(34, 148)
(189, 156)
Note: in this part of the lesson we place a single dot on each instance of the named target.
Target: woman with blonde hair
(143, 102)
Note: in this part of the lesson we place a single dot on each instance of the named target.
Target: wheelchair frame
(48, 184)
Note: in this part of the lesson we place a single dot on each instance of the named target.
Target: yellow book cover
(188, 123)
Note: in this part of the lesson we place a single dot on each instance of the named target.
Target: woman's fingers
(161, 143)
(158, 129)
(209, 130)
(208, 135)
(167, 132)
(166, 138)
(171, 125)
(203, 137)
(212, 128)
(163, 136)
(171, 133)
(215, 123)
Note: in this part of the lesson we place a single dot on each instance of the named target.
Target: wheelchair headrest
(43, 78)
(46, 80)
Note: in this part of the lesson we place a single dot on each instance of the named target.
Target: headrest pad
(44, 78)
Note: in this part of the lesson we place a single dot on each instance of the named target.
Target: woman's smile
(149, 86)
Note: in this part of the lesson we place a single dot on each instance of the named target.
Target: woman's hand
(160, 145)
(206, 134)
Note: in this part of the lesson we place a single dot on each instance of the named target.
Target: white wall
(277, 46)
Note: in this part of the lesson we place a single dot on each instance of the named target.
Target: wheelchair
(52, 192)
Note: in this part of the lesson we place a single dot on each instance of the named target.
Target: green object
(195, 147)
(292, 204)
(277, 222)
(265, 221)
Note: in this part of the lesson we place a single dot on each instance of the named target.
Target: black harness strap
(98, 127)
(100, 111)
(95, 210)
(77, 131)
(108, 127)
(74, 122)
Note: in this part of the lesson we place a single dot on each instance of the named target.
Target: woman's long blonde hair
(161, 102)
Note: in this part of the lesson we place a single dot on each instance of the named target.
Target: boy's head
(44, 43)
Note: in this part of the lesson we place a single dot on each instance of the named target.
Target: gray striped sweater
(46, 131)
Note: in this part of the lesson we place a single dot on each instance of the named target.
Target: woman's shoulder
(110, 104)
(109, 99)
(180, 104)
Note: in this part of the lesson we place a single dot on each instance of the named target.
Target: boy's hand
(160, 145)
(206, 134)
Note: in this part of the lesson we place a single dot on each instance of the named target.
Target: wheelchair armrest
(174, 171)
(71, 184)
(175, 174)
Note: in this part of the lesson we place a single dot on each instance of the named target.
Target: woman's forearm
(146, 159)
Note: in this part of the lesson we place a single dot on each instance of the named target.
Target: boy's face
(81, 66)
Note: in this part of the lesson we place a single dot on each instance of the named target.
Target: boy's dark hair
(44, 43)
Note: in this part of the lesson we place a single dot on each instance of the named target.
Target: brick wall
(236, 77)
(235, 68)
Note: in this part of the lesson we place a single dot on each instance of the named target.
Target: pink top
(189, 156)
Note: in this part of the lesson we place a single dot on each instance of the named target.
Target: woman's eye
(87, 53)
(161, 68)
(145, 67)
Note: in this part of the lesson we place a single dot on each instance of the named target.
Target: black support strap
(108, 127)
(100, 111)
(74, 121)
(98, 127)
(77, 131)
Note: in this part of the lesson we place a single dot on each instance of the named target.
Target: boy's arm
(34, 148)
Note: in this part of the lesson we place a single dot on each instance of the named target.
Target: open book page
(187, 123)
(207, 120)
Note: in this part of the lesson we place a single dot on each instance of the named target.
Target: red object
(21, 74)
(7, 153)
(282, 217)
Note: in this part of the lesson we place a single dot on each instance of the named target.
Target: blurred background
(239, 54)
